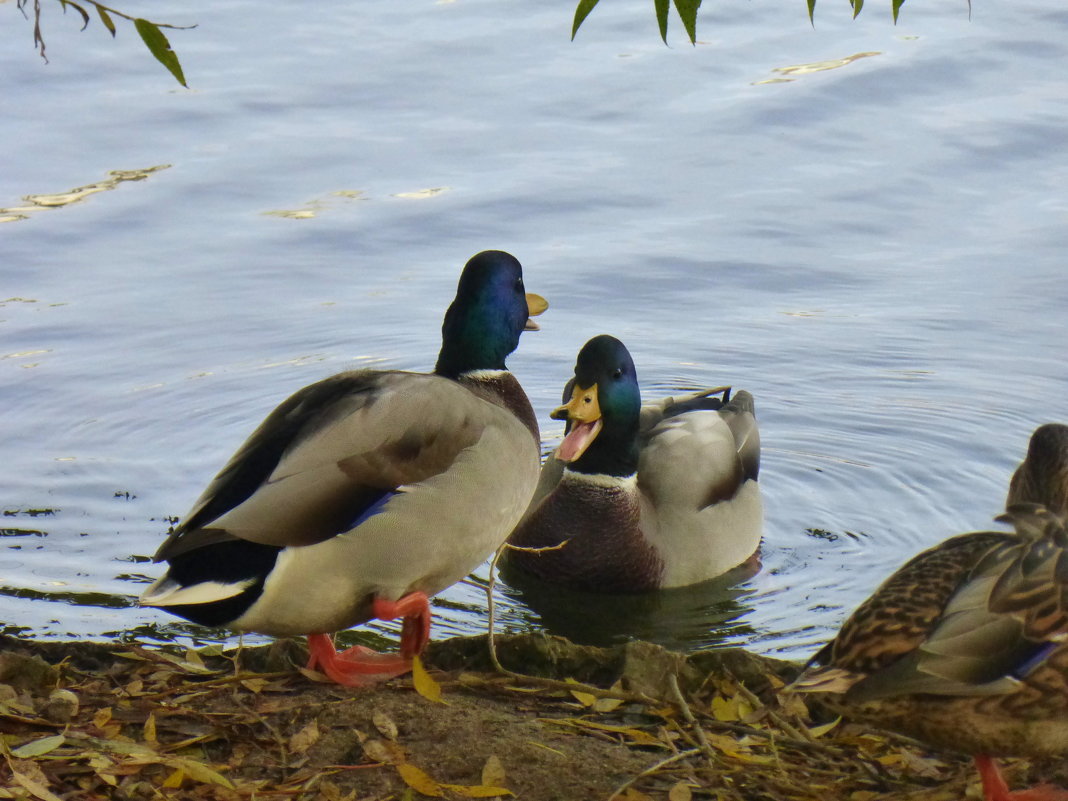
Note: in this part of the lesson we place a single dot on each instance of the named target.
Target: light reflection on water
(874, 250)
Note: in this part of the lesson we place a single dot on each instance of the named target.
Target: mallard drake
(966, 646)
(365, 493)
(641, 498)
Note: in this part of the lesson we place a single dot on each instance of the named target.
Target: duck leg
(995, 788)
(359, 666)
(415, 628)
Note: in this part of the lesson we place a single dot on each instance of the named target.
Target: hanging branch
(151, 33)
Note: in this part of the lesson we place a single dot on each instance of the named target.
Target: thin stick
(687, 713)
(776, 718)
(653, 769)
(491, 643)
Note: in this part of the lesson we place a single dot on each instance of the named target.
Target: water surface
(862, 224)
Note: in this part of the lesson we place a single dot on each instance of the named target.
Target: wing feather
(330, 452)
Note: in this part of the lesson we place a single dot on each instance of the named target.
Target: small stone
(61, 706)
(27, 672)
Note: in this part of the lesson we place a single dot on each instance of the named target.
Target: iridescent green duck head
(491, 310)
(602, 412)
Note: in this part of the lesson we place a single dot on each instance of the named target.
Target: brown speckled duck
(1043, 476)
(365, 493)
(966, 646)
(646, 497)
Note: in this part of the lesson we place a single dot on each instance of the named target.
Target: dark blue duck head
(603, 410)
(490, 311)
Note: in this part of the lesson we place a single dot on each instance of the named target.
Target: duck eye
(617, 373)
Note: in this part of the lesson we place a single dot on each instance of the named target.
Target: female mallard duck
(642, 497)
(1043, 476)
(966, 646)
(366, 492)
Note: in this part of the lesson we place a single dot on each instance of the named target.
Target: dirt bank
(91, 721)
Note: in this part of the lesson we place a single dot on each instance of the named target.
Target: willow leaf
(688, 12)
(105, 17)
(79, 9)
(662, 8)
(897, 7)
(581, 12)
(158, 46)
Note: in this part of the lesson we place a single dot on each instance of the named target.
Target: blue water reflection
(874, 250)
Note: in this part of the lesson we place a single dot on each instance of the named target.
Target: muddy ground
(90, 721)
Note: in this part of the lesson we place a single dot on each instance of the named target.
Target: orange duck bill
(583, 413)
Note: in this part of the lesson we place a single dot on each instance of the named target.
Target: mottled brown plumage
(966, 645)
(1043, 475)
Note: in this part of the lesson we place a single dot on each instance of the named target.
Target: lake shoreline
(88, 720)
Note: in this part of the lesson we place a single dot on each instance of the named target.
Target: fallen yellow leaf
(38, 747)
(724, 710)
(199, 772)
(424, 683)
(477, 790)
(583, 698)
(102, 716)
(607, 704)
(174, 781)
(150, 729)
(305, 738)
(35, 785)
(384, 751)
(819, 731)
(419, 781)
(385, 725)
(493, 771)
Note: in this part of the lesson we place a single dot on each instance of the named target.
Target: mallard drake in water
(365, 493)
(642, 497)
(966, 646)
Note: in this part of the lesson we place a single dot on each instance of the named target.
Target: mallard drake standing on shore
(365, 493)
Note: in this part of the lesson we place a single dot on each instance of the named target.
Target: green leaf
(39, 747)
(78, 8)
(812, 11)
(857, 6)
(897, 7)
(662, 8)
(581, 12)
(159, 47)
(197, 771)
(688, 12)
(105, 17)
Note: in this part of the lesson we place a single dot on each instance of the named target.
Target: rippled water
(862, 224)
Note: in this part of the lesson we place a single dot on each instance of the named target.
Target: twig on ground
(687, 714)
(651, 770)
(540, 681)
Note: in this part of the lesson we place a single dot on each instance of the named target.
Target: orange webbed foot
(356, 666)
(359, 666)
(995, 788)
